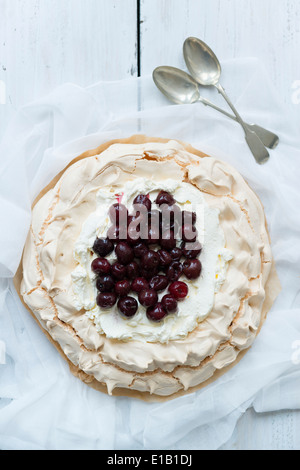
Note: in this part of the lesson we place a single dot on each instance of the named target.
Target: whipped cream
(199, 302)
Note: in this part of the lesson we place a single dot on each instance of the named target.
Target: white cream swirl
(199, 302)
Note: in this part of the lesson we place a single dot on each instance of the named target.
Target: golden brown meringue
(240, 305)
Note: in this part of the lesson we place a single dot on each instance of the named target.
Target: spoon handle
(256, 146)
(268, 138)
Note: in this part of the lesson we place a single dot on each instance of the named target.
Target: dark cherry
(168, 241)
(165, 198)
(170, 214)
(177, 229)
(140, 249)
(154, 218)
(124, 252)
(179, 290)
(139, 284)
(122, 288)
(189, 218)
(139, 217)
(153, 235)
(103, 247)
(118, 213)
(119, 271)
(131, 218)
(148, 273)
(150, 260)
(133, 235)
(169, 303)
(101, 266)
(162, 269)
(189, 233)
(132, 270)
(128, 306)
(176, 253)
(105, 283)
(144, 200)
(191, 249)
(174, 271)
(148, 297)
(165, 257)
(113, 233)
(192, 268)
(172, 220)
(156, 313)
(159, 282)
(138, 227)
(106, 299)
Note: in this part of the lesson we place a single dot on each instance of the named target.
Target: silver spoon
(205, 67)
(179, 87)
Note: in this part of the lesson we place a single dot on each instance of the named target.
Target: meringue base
(272, 289)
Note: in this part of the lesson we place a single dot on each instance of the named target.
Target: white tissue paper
(42, 406)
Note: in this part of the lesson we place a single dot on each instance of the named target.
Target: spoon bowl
(180, 88)
(177, 85)
(201, 61)
(205, 68)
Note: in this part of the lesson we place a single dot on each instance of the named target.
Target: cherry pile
(140, 268)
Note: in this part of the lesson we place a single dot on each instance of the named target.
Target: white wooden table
(44, 43)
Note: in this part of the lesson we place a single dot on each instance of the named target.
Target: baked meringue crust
(150, 371)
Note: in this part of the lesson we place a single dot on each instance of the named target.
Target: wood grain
(268, 30)
(266, 431)
(44, 43)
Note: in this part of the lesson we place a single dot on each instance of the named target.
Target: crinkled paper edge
(272, 289)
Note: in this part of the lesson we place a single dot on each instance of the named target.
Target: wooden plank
(44, 43)
(269, 30)
(266, 431)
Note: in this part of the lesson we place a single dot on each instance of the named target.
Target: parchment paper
(42, 405)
